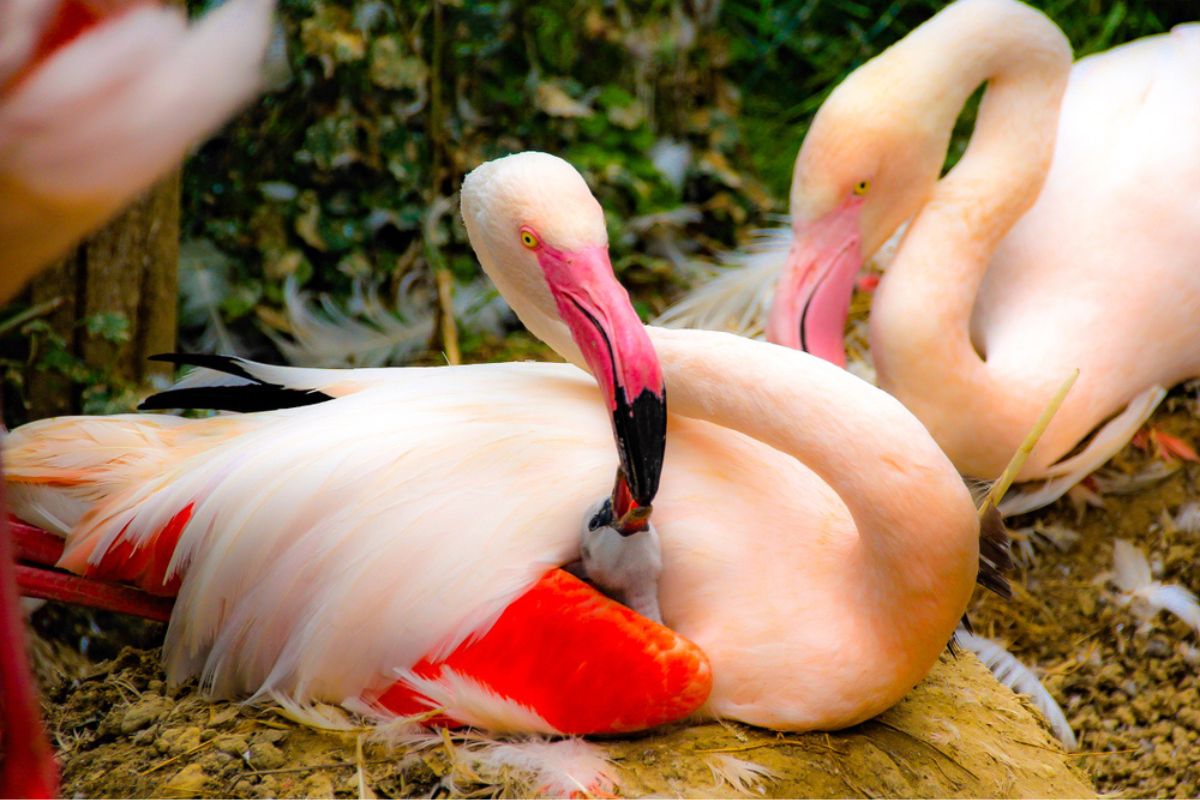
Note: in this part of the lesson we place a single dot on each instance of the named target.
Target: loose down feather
(366, 333)
(1018, 677)
(1131, 574)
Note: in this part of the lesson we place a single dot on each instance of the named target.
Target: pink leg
(34, 545)
(39, 550)
(28, 768)
(64, 587)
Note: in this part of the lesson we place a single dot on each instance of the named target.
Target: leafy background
(684, 115)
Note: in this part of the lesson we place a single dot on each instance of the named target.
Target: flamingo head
(868, 163)
(541, 237)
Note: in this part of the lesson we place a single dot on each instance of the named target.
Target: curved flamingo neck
(918, 533)
(921, 316)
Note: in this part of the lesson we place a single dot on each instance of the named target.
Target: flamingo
(376, 544)
(99, 98)
(997, 291)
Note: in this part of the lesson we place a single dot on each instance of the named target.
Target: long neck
(921, 317)
(918, 534)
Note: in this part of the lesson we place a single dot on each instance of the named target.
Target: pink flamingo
(997, 291)
(377, 545)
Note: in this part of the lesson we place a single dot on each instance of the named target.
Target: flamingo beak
(615, 345)
(812, 298)
(628, 517)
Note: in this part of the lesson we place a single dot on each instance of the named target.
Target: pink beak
(812, 298)
(614, 343)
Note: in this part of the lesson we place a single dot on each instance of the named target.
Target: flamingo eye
(861, 187)
(529, 240)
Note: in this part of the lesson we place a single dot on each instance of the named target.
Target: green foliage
(29, 340)
(108, 326)
(338, 174)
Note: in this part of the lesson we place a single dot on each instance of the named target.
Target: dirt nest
(120, 731)
(1129, 685)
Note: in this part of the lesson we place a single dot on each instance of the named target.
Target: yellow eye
(861, 187)
(529, 240)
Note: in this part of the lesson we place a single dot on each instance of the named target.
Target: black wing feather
(995, 561)
(250, 397)
(995, 553)
(255, 396)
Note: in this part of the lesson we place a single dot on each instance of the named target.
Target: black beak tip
(641, 429)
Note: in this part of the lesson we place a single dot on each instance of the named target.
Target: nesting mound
(1129, 685)
(122, 732)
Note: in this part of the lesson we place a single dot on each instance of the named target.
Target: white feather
(1018, 677)
(550, 767)
(1027, 541)
(1131, 570)
(1105, 444)
(1114, 481)
(740, 775)
(365, 333)
(474, 704)
(1132, 575)
(1187, 519)
(539, 765)
(203, 284)
(362, 334)
(672, 158)
(1176, 600)
(738, 296)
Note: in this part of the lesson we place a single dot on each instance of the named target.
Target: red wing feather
(145, 565)
(583, 662)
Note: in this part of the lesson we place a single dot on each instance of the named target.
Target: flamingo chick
(371, 547)
(997, 292)
(99, 98)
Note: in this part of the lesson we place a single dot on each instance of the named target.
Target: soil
(1129, 687)
(121, 732)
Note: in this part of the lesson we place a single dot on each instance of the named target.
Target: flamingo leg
(27, 768)
(36, 551)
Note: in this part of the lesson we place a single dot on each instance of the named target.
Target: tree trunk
(128, 268)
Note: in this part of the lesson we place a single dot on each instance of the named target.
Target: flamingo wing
(396, 547)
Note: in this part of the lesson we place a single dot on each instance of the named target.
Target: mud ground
(121, 732)
(1129, 686)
